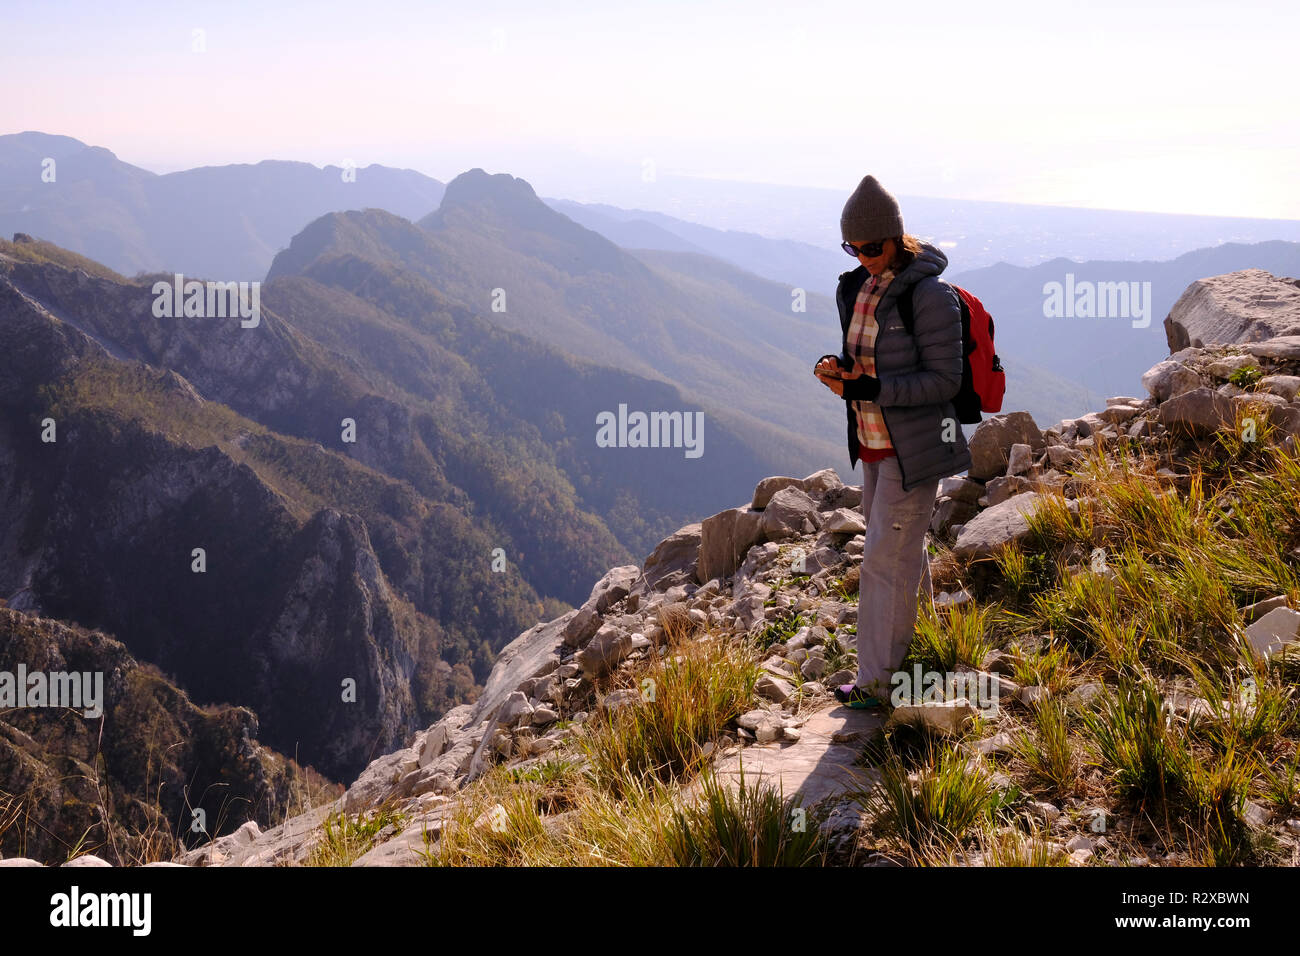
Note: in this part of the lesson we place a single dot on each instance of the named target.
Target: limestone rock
(613, 587)
(724, 539)
(990, 445)
(673, 561)
(604, 652)
(999, 525)
(766, 488)
(1170, 378)
(1198, 413)
(844, 521)
(1284, 385)
(946, 717)
(1281, 348)
(1275, 631)
(788, 513)
(773, 688)
(1245, 306)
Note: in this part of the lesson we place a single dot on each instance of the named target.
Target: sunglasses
(868, 249)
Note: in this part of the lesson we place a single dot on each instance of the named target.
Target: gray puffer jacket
(919, 373)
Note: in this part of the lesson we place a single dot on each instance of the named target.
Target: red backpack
(983, 380)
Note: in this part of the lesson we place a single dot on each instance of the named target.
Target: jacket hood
(928, 262)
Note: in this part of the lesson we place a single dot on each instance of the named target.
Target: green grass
(928, 813)
(345, 839)
(947, 637)
(1049, 753)
(746, 825)
(698, 688)
(1246, 376)
(781, 629)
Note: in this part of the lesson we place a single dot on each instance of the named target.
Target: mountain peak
(481, 203)
(477, 186)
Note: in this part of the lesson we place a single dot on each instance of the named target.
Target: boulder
(818, 560)
(944, 717)
(1118, 414)
(432, 743)
(766, 488)
(1169, 378)
(1224, 366)
(822, 482)
(673, 561)
(990, 445)
(1246, 306)
(790, 513)
(725, 538)
(1019, 459)
(1280, 349)
(1285, 386)
(962, 489)
(773, 688)
(604, 652)
(580, 626)
(514, 710)
(613, 587)
(1198, 413)
(999, 490)
(999, 525)
(949, 512)
(1061, 456)
(846, 496)
(1255, 611)
(843, 521)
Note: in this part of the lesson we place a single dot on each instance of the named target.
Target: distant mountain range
(974, 233)
(705, 320)
(219, 221)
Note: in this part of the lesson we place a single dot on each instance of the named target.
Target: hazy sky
(1175, 107)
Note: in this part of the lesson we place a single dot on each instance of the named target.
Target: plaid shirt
(872, 435)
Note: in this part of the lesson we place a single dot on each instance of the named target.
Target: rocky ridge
(731, 574)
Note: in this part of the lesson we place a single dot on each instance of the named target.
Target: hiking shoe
(853, 696)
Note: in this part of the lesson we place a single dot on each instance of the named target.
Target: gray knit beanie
(871, 214)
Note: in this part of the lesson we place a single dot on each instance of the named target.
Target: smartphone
(836, 358)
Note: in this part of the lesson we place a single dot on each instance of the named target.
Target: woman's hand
(830, 374)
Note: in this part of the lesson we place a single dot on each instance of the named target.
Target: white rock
(949, 716)
(1274, 631)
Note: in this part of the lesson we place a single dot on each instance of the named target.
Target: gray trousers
(894, 564)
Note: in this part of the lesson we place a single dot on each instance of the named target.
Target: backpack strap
(906, 310)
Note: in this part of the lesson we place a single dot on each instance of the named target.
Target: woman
(898, 390)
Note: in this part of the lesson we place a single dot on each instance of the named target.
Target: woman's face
(877, 264)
